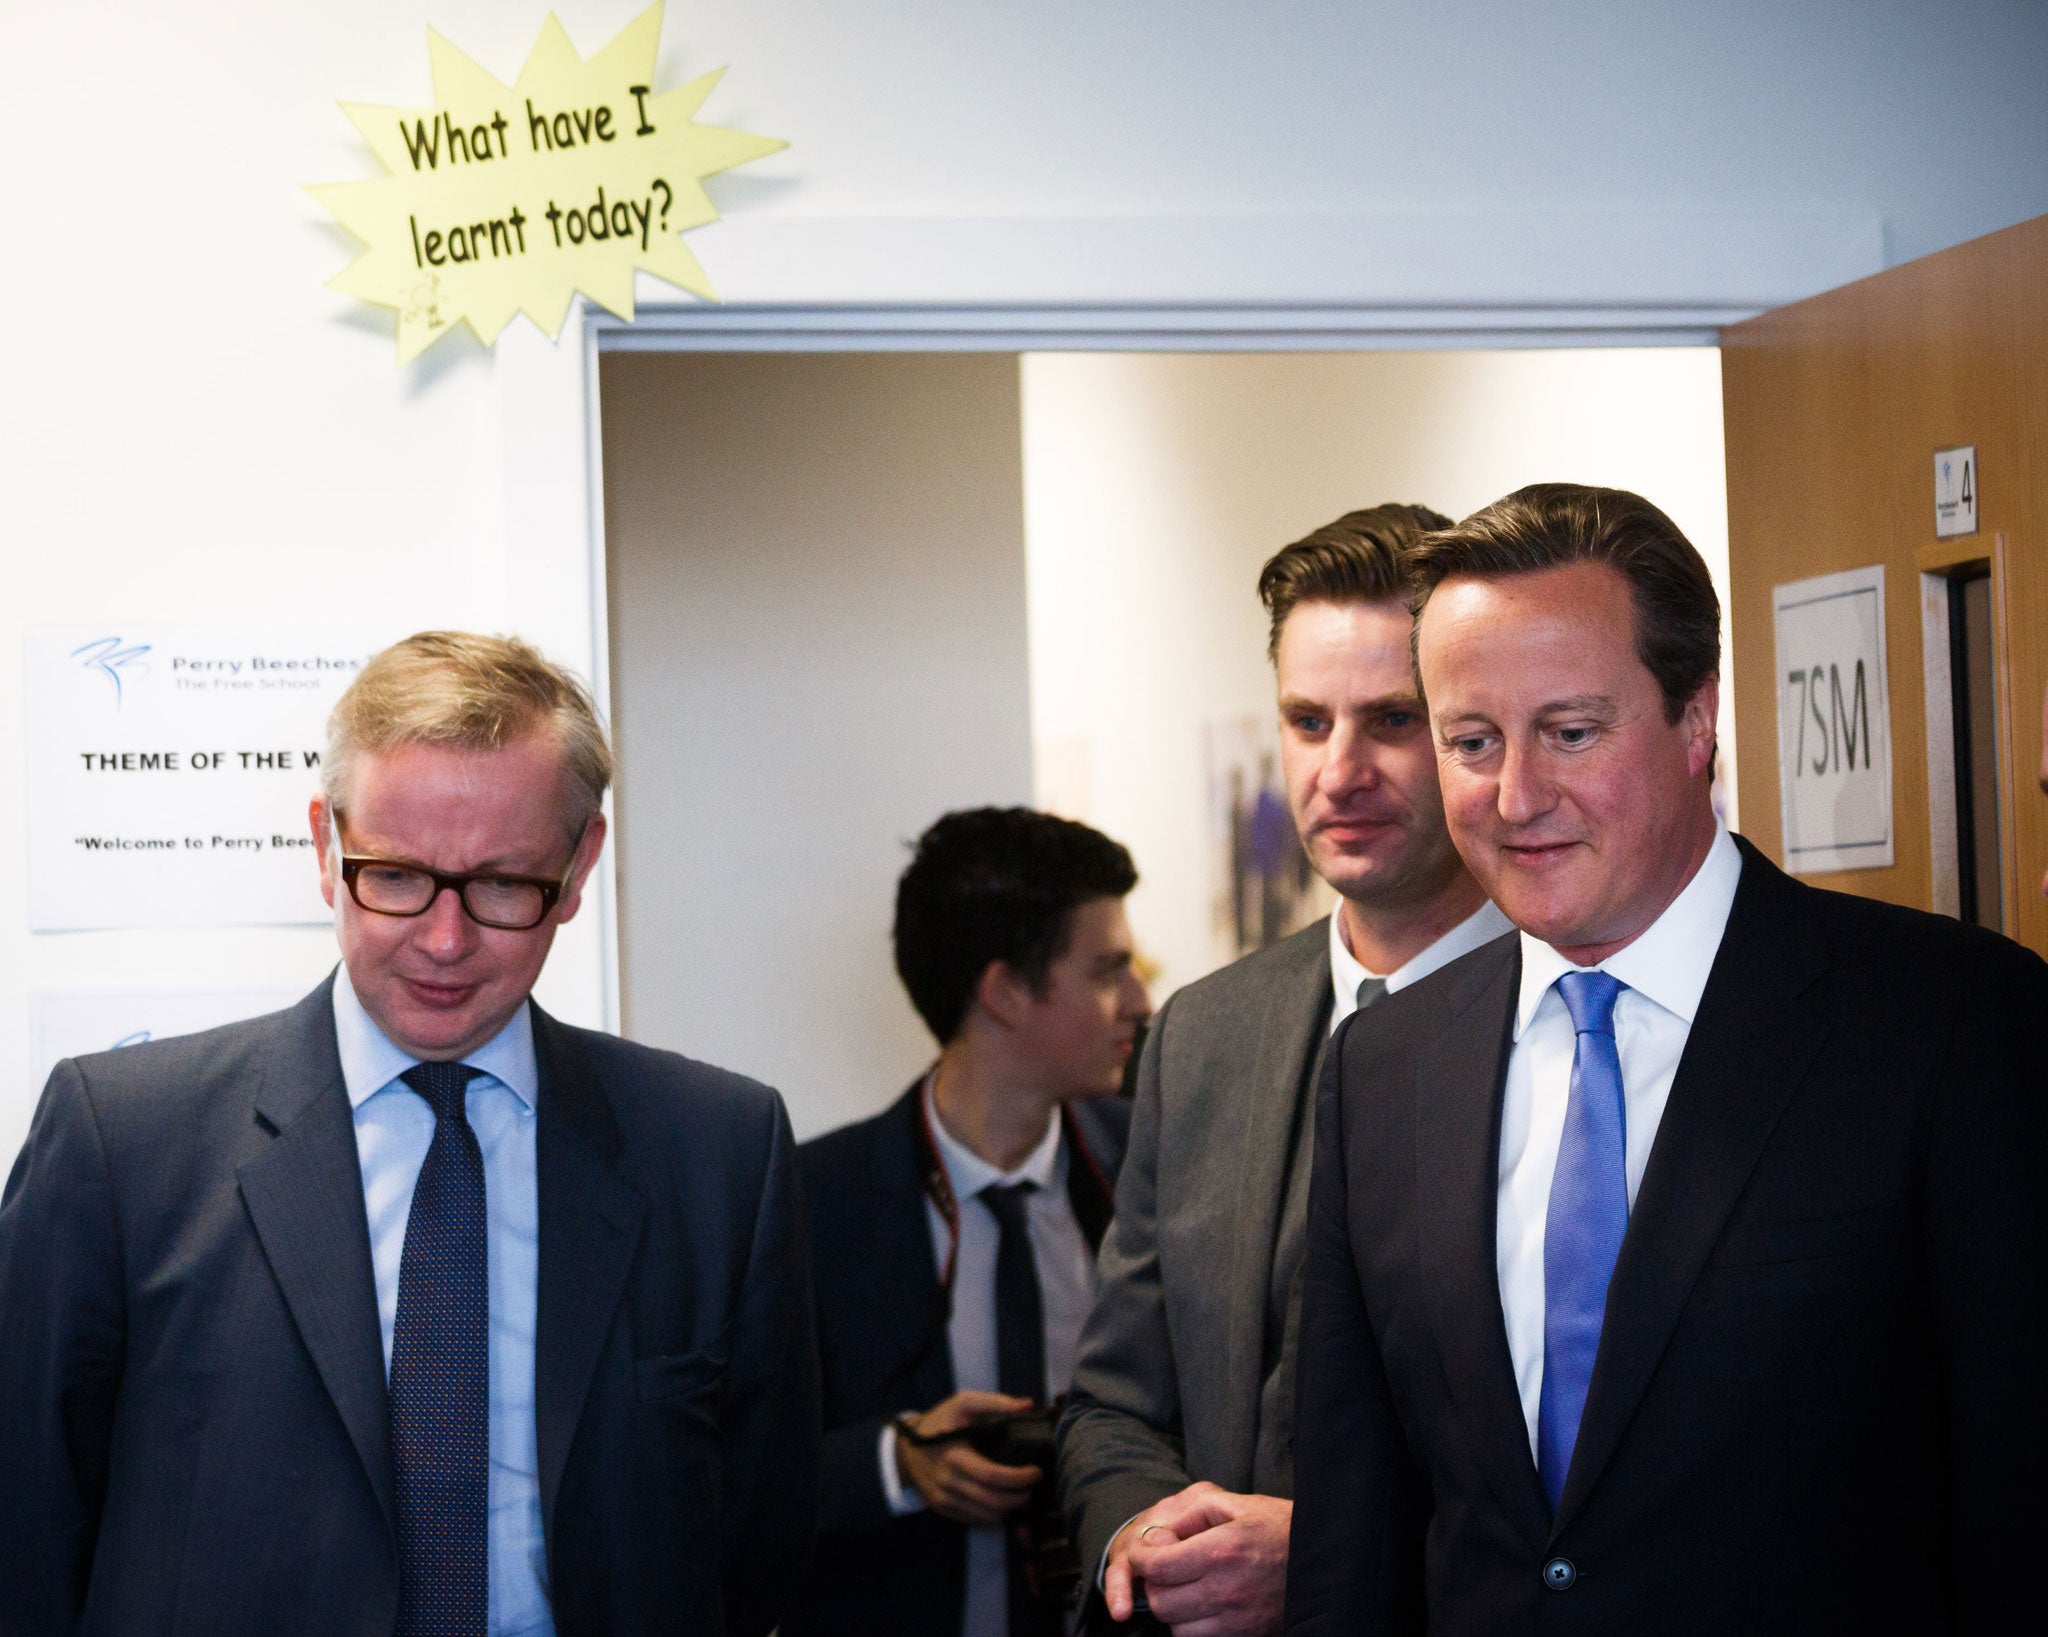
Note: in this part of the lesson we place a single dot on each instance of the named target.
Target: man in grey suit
(1176, 1456)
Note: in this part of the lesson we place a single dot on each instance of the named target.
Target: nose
(1137, 1004)
(445, 932)
(1348, 764)
(1521, 794)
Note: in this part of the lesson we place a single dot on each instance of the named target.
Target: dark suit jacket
(881, 1317)
(195, 1416)
(1818, 1404)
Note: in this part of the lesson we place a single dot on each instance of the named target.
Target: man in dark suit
(955, 1233)
(1177, 1451)
(1678, 1264)
(411, 1309)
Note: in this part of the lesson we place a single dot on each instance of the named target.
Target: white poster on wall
(169, 771)
(73, 1022)
(1834, 722)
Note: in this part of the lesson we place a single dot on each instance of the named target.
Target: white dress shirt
(394, 1128)
(1482, 926)
(1066, 1286)
(1665, 970)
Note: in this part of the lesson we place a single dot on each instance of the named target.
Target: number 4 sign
(1955, 491)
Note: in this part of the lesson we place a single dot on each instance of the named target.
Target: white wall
(1156, 486)
(191, 426)
(817, 591)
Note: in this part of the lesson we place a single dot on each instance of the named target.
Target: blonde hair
(468, 692)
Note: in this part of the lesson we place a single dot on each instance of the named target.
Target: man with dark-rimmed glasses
(411, 1309)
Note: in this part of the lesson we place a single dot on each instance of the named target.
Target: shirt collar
(1669, 961)
(1482, 926)
(370, 1061)
(967, 1173)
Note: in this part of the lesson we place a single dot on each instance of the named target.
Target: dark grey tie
(1370, 990)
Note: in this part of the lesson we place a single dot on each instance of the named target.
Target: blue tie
(1588, 1216)
(441, 1376)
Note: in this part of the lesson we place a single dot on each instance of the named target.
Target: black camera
(1024, 1439)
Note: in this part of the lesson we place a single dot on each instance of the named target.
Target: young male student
(955, 1233)
(1178, 1448)
(1679, 1264)
(411, 1309)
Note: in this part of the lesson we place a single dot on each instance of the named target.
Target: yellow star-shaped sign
(509, 199)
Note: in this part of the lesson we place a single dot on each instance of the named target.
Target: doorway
(850, 590)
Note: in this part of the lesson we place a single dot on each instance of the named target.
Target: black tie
(441, 1376)
(1020, 1371)
(1020, 1313)
(1370, 990)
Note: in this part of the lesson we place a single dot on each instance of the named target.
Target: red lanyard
(1090, 1192)
(938, 1188)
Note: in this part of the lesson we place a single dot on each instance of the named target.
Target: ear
(1696, 721)
(580, 867)
(323, 846)
(1003, 994)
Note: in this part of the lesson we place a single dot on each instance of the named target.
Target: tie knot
(1590, 998)
(1370, 990)
(442, 1085)
(1007, 1200)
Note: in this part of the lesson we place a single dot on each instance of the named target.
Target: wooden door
(1835, 407)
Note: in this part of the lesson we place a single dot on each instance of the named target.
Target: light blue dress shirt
(394, 1128)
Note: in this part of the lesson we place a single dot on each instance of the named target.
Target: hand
(1214, 1563)
(956, 1482)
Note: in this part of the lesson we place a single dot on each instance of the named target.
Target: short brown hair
(1549, 525)
(1362, 557)
(468, 692)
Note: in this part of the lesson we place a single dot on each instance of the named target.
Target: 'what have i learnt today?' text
(505, 199)
(440, 140)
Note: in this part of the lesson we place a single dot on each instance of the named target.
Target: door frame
(555, 586)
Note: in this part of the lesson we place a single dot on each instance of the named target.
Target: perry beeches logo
(123, 664)
(119, 663)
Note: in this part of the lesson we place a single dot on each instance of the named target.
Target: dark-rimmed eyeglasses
(509, 903)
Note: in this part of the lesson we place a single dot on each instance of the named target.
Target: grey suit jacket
(1171, 1385)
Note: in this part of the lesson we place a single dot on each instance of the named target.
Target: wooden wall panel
(1833, 410)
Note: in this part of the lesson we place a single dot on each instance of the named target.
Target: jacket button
(1560, 1574)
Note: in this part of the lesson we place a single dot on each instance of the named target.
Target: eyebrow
(1587, 703)
(1380, 702)
(498, 864)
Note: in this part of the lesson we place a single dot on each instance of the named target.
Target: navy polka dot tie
(441, 1376)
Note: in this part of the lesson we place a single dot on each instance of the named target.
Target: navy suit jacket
(196, 1434)
(882, 1331)
(1818, 1401)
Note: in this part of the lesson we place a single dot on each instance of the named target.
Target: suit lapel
(304, 1194)
(1275, 1094)
(1755, 1036)
(1457, 1160)
(1089, 1191)
(904, 1250)
(590, 1225)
